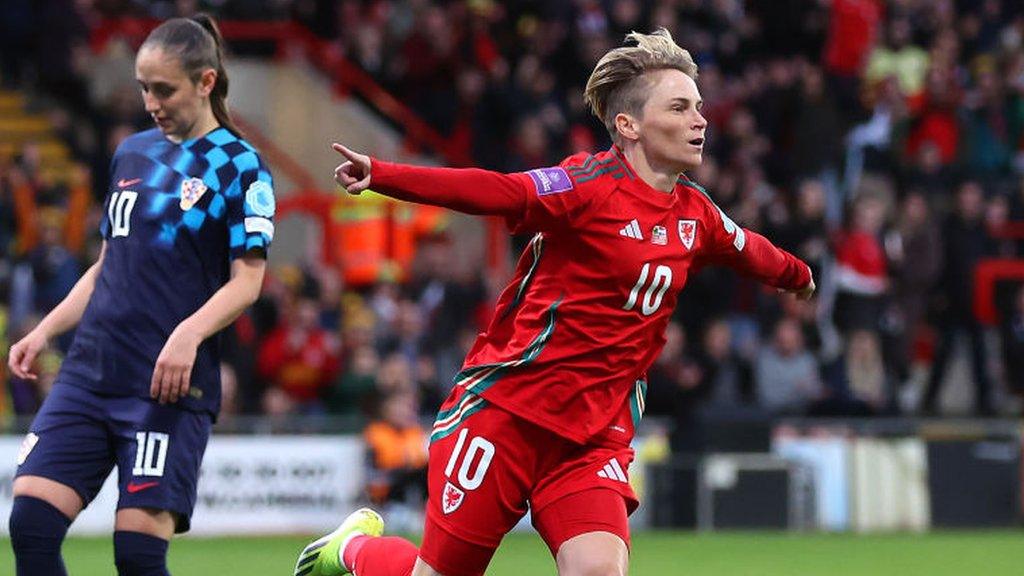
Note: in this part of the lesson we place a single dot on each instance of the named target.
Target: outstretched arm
(754, 255)
(468, 190)
(774, 266)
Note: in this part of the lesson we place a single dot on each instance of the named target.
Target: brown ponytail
(199, 45)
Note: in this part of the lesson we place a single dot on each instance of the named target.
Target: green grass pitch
(997, 553)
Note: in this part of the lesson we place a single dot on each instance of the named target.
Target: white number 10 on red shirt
(652, 297)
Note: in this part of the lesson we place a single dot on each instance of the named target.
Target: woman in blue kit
(188, 220)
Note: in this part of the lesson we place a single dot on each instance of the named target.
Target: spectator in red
(853, 26)
(861, 268)
(299, 357)
(933, 120)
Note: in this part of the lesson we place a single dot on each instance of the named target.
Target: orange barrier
(370, 239)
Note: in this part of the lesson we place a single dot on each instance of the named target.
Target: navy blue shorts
(78, 436)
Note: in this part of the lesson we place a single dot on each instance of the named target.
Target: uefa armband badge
(550, 180)
(191, 190)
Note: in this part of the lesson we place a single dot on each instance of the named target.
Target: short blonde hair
(617, 83)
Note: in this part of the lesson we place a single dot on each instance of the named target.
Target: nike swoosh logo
(122, 183)
(133, 487)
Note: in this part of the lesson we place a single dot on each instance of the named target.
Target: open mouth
(698, 142)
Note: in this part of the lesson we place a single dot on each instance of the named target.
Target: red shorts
(488, 465)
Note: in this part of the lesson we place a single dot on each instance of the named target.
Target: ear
(627, 126)
(207, 80)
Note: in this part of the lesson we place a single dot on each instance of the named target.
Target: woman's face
(671, 127)
(174, 102)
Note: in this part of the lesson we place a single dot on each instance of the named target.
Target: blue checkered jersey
(176, 216)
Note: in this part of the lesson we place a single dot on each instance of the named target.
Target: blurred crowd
(881, 142)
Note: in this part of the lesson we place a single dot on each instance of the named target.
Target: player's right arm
(538, 200)
(62, 318)
(468, 190)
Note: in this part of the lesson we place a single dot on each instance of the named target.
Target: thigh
(480, 471)
(159, 451)
(60, 496)
(68, 444)
(587, 491)
(592, 511)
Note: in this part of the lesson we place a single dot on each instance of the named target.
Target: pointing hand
(354, 174)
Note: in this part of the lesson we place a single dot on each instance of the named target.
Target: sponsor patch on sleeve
(256, 224)
(550, 180)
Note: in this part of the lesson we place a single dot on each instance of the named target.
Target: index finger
(341, 149)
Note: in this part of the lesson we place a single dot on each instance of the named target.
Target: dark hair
(198, 45)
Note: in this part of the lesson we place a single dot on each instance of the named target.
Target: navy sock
(37, 531)
(138, 554)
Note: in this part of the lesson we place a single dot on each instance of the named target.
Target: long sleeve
(468, 190)
(752, 254)
(766, 262)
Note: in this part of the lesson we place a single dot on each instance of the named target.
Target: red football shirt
(585, 314)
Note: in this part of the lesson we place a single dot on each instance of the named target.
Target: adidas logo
(612, 470)
(632, 230)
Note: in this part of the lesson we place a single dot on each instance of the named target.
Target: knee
(593, 565)
(36, 526)
(138, 554)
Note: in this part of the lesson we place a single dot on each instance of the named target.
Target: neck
(658, 177)
(206, 123)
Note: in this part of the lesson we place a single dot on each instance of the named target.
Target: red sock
(380, 556)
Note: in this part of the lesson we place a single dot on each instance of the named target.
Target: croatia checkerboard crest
(191, 190)
(452, 498)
